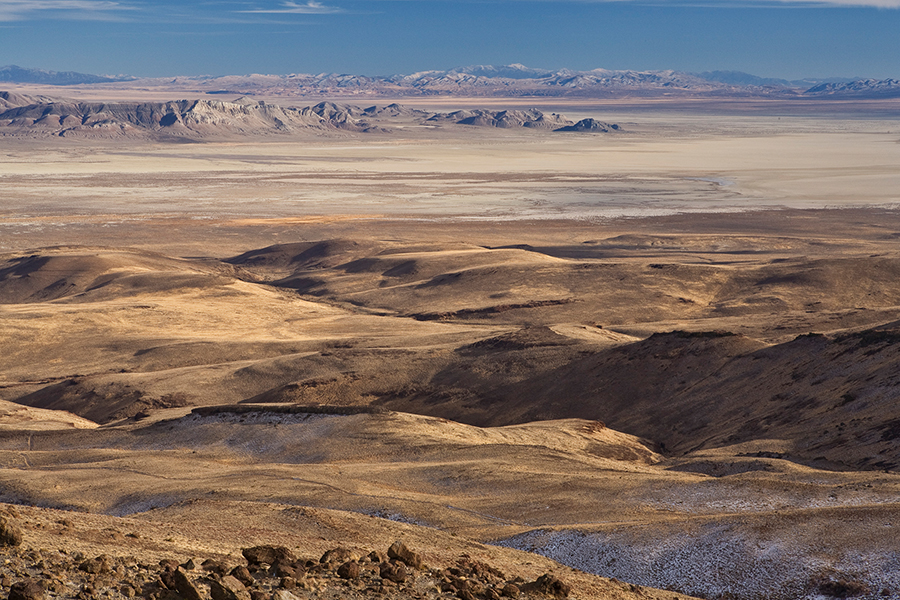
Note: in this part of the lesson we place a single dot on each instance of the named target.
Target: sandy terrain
(665, 355)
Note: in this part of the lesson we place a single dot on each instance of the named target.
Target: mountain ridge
(17, 74)
(22, 115)
(513, 80)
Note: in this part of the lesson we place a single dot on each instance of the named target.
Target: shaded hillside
(831, 401)
(184, 118)
(11, 100)
(606, 283)
(488, 336)
(87, 274)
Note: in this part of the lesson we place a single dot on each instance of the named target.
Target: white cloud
(16, 10)
(310, 8)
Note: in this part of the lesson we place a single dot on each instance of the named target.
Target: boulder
(27, 589)
(337, 555)
(349, 570)
(10, 534)
(96, 565)
(242, 574)
(392, 571)
(268, 554)
(228, 588)
(399, 551)
(213, 566)
(549, 585)
(177, 580)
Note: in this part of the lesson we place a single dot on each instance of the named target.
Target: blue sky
(773, 38)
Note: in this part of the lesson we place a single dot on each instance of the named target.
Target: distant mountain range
(15, 74)
(863, 87)
(491, 81)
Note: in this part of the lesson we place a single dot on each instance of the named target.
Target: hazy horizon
(313, 73)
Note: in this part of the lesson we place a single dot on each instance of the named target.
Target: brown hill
(830, 401)
(217, 478)
(611, 283)
(87, 274)
(478, 335)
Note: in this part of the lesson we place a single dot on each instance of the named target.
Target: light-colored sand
(655, 166)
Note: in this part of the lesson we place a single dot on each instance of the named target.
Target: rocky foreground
(270, 572)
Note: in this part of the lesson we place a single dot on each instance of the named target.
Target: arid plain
(665, 354)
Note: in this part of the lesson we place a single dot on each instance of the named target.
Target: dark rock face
(399, 551)
(10, 534)
(268, 555)
(336, 555)
(349, 570)
(549, 585)
(97, 565)
(393, 571)
(228, 588)
(177, 580)
(242, 574)
(213, 566)
(27, 589)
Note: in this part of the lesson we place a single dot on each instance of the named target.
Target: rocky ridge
(41, 116)
(859, 88)
(269, 573)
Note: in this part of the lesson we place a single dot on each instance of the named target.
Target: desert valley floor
(656, 361)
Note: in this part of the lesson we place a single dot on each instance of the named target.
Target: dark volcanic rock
(228, 588)
(27, 589)
(549, 585)
(10, 534)
(177, 580)
(399, 551)
(214, 566)
(97, 565)
(268, 554)
(336, 555)
(242, 574)
(349, 570)
(393, 571)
